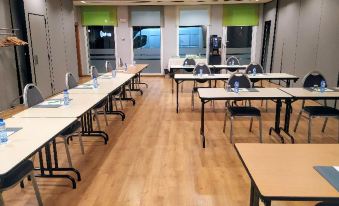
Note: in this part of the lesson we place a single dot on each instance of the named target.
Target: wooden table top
(261, 93)
(34, 134)
(286, 170)
(79, 104)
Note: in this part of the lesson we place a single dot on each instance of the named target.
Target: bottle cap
(2, 122)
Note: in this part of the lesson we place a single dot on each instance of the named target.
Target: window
(192, 40)
(101, 37)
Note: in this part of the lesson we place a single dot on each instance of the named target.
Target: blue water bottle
(254, 71)
(322, 86)
(95, 82)
(200, 72)
(66, 97)
(236, 87)
(3, 132)
(232, 62)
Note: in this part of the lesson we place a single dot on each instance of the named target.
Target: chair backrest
(32, 95)
(313, 78)
(108, 66)
(189, 61)
(244, 81)
(251, 66)
(94, 72)
(232, 60)
(70, 81)
(205, 69)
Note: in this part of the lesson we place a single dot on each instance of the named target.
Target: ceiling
(163, 2)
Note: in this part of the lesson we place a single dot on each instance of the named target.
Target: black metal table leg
(127, 98)
(276, 128)
(254, 198)
(202, 123)
(110, 111)
(177, 96)
(287, 119)
(51, 169)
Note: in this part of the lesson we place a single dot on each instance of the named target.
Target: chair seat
(71, 129)
(16, 174)
(244, 111)
(321, 111)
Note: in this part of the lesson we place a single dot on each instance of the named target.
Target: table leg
(276, 128)
(136, 80)
(177, 82)
(254, 198)
(51, 169)
(287, 119)
(126, 98)
(288, 83)
(202, 123)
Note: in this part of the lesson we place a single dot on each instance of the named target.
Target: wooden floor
(155, 157)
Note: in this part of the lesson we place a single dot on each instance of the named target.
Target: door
(146, 48)
(41, 74)
(266, 41)
(239, 43)
(101, 46)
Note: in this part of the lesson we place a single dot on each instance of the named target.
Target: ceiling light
(84, 2)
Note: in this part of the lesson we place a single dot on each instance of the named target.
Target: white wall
(169, 35)
(8, 75)
(123, 41)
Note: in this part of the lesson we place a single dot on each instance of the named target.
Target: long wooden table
(136, 70)
(209, 94)
(180, 78)
(285, 172)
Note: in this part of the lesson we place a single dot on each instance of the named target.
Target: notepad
(318, 89)
(330, 173)
(12, 130)
(51, 103)
(246, 90)
(85, 86)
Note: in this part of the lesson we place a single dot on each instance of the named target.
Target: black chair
(232, 60)
(71, 83)
(32, 96)
(242, 111)
(204, 69)
(309, 81)
(16, 175)
(188, 62)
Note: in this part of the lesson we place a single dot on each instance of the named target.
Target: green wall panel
(99, 16)
(241, 15)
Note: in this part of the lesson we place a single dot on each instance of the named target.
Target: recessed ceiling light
(84, 2)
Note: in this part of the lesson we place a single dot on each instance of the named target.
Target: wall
(169, 35)
(307, 37)
(8, 74)
(61, 36)
(123, 40)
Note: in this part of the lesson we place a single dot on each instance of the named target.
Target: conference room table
(180, 78)
(285, 172)
(27, 136)
(209, 94)
(214, 69)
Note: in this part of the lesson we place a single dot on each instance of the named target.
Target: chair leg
(81, 143)
(1, 200)
(224, 129)
(36, 189)
(324, 126)
(105, 116)
(231, 130)
(120, 100)
(97, 119)
(309, 129)
(251, 124)
(298, 119)
(67, 152)
(260, 130)
(130, 90)
(192, 101)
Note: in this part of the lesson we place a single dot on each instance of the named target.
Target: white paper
(52, 102)
(85, 86)
(336, 168)
(9, 133)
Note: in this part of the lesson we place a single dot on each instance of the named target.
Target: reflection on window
(101, 37)
(192, 40)
(146, 37)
